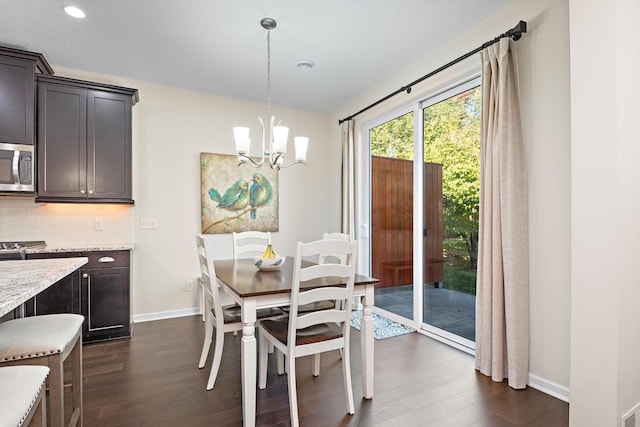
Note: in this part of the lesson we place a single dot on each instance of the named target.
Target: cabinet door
(61, 297)
(105, 303)
(17, 101)
(62, 136)
(109, 145)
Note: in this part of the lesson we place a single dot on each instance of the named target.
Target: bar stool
(48, 340)
(21, 396)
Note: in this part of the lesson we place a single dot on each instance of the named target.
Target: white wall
(171, 127)
(605, 318)
(543, 55)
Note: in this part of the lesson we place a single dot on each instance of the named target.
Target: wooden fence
(392, 221)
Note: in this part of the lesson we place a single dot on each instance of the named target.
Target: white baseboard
(552, 389)
(160, 315)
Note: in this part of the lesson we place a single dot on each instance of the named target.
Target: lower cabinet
(99, 291)
(61, 297)
(104, 291)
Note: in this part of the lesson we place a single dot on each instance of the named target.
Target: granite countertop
(21, 280)
(80, 247)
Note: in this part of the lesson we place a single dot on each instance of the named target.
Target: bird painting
(260, 193)
(234, 199)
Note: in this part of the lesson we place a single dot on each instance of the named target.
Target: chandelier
(277, 134)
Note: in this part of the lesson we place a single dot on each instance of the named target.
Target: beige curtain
(502, 316)
(348, 178)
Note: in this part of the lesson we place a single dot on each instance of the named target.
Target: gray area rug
(383, 328)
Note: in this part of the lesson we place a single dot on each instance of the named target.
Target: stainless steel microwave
(16, 168)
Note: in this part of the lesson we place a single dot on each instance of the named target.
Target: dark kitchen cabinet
(84, 141)
(100, 291)
(105, 299)
(61, 297)
(17, 94)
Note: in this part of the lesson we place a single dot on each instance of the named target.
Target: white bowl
(268, 264)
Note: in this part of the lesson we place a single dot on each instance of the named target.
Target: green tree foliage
(394, 138)
(451, 138)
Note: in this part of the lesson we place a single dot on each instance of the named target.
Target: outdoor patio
(444, 308)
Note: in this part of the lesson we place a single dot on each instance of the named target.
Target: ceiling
(219, 46)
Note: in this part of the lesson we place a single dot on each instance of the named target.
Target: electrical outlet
(189, 285)
(98, 224)
(148, 224)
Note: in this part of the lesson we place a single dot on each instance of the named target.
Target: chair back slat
(250, 243)
(318, 317)
(322, 294)
(326, 257)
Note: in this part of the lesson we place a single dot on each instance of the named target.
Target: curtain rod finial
(516, 32)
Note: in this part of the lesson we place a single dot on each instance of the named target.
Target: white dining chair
(319, 305)
(221, 318)
(310, 333)
(245, 244)
(249, 243)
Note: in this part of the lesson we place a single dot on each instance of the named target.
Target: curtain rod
(515, 33)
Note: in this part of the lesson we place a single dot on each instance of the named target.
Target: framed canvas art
(236, 198)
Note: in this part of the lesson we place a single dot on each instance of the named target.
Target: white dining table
(253, 289)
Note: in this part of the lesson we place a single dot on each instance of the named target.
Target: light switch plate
(98, 224)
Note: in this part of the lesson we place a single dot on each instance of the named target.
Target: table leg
(367, 343)
(249, 349)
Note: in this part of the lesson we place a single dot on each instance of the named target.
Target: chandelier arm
(293, 163)
(246, 160)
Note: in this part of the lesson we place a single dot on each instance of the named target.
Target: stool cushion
(21, 386)
(38, 336)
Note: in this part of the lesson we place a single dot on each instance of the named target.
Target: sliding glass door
(392, 148)
(424, 195)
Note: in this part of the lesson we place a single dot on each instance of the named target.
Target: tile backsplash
(58, 223)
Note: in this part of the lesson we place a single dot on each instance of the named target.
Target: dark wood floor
(152, 379)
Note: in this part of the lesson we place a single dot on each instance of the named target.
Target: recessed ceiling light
(74, 11)
(305, 65)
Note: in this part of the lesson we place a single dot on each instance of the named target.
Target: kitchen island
(21, 280)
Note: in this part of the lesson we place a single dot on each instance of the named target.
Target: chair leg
(203, 305)
(348, 389)
(39, 418)
(76, 384)
(217, 358)
(316, 364)
(56, 390)
(293, 393)
(280, 362)
(208, 333)
(263, 360)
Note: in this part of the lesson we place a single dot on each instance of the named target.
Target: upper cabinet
(17, 94)
(84, 141)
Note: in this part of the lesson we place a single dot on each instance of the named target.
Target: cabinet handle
(106, 259)
(90, 191)
(85, 275)
(81, 191)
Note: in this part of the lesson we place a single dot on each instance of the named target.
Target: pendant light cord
(269, 82)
